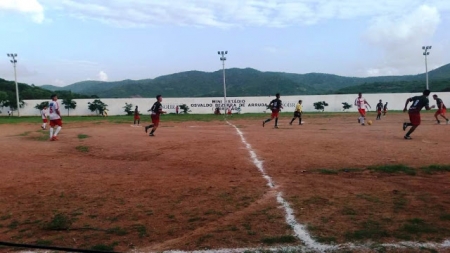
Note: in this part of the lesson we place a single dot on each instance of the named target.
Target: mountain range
(251, 82)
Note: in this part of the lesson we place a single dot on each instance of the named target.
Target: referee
(298, 113)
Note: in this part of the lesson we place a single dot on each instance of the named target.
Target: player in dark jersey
(385, 109)
(156, 111)
(418, 102)
(136, 116)
(276, 106)
(379, 108)
(441, 109)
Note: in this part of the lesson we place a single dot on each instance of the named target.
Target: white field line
(299, 230)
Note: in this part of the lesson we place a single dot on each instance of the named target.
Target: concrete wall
(247, 104)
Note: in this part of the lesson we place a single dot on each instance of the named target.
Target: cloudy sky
(60, 42)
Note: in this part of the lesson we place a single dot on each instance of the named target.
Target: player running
(156, 112)
(298, 113)
(55, 117)
(361, 103)
(276, 106)
(441, 109)
(418, 102)
(379, 108)
(44, 117)
(385, 109)
(136, 116)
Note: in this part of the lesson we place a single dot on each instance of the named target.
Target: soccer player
(385, 109)
(44, 117)
(275, 105)
(156, 112)
(298, 113)
(379, 108)
(418, 102)
(361, 103)
(136, 116)
(441, 109)
(55, 117)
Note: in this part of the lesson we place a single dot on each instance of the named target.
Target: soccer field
(204, 183)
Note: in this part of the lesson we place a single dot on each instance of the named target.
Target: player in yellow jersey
(298, 113)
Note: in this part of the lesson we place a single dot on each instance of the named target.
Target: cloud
(102, 76)
(400, 39)
(31, 7)
(232, 13)
(58, 82)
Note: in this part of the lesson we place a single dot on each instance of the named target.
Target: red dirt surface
(193, 186)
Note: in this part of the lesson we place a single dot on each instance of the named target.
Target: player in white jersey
(55, 117)
(44, 117)
(361, 104)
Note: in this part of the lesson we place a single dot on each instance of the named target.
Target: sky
(60, 42)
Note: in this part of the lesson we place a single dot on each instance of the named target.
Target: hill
(397, 87)
(251, 82)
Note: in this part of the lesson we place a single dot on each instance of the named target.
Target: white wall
(248, 104)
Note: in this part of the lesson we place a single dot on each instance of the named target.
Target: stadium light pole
(223, 59)
(426, 53)
(14, 61)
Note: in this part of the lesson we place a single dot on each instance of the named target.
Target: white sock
(57, 130)
(51, 132)
(44, 125)
(362, 120)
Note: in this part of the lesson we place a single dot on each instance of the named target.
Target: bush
(320, 105)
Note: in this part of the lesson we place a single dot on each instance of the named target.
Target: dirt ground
(193, 186)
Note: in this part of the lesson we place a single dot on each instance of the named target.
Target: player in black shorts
(379, 109)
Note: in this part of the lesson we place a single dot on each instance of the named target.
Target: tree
(12, 102)
(3, 98)
(97, 106)
(128, 109)
(185, 108)
(69, 104)
(346, 106)
(320, 105)
(41, 105)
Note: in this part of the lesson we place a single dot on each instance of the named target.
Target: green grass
(279, 239)
(103, 247)
(445, 216)
(117, 231)
(83, 149)
(13, 225)
(432, 169)
(328, 172)
(369, 230)
(83, 136)
(44, 242)
(391, 169)
(348, 211)
(141, 229)
(59, 222)
(25, 133)
(417, 227)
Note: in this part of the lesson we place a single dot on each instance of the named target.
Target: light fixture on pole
(14, 61)
(426, 53)
(223, 59)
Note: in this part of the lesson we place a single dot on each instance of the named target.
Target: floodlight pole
(426, 53)
(14, 61)
(223, 59)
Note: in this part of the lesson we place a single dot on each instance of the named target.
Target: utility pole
(223, 59)
(14, 61)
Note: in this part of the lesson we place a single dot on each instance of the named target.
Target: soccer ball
(369, 122)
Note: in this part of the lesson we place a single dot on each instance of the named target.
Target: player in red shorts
(441, 109)
(55, 117)
(276, 106)
(418, 102)
(385, 109)
(361, 103)
(136, 116)
(44, 118)
(156, 111)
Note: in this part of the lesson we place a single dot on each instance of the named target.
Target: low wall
(248, 104)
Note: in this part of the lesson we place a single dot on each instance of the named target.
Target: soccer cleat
(407, 137)
(405, 125)
(447, 121)
(276, 127)
(290, 123)
(146, 129)
(363, 124)
(438, 122)
(55, 138)
(264, 123)
(152, 135)
(359, 121)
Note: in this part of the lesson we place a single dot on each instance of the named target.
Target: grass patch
(83, 149)
(25, 133)
(316, 200)
(396, 168)
(351, 170)
(445, 216)
(328, 172)
(83, 136)
(417, 227)
(433, 169)
(368, 198)
(348, 211)
(370, 230)
(400, 202)
(5, 217)
(279, 239)
(326, 239)
(59, 222)
(103, 247)
(117, 231)
(141, 229)
(194, 219)
(13, 225)
(43, 242)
